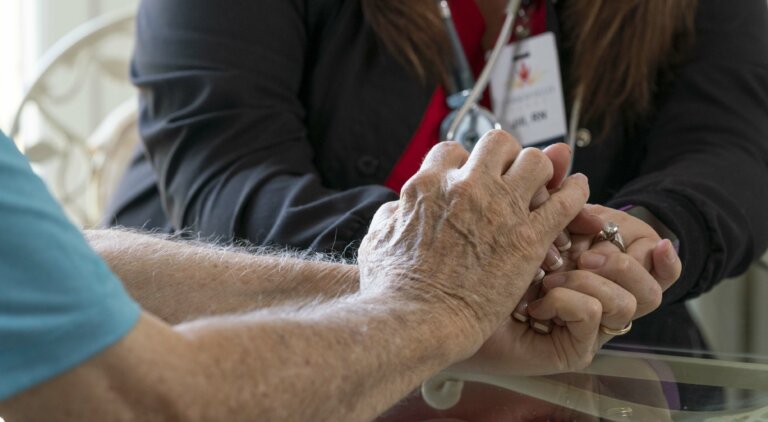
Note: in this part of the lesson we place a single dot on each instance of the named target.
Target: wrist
(445, 325)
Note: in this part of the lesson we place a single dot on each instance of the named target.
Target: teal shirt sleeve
(59, 302)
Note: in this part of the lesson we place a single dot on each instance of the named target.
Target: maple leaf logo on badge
(525, 76)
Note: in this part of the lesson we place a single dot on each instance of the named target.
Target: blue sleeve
(59, 302)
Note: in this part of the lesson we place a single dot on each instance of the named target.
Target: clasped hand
(464, 240)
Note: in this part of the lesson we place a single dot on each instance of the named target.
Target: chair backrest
(77, 120)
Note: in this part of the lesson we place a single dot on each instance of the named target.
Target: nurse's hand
(643, 244)
(580, 303)
(646, 270)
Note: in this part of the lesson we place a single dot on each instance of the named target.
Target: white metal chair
(77, 120)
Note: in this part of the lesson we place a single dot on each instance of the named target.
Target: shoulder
(728, 31)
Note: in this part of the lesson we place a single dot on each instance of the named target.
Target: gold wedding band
(612, 332)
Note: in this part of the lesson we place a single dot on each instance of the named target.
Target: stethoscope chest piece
(472, 126)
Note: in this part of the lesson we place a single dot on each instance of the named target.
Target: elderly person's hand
(463, 236)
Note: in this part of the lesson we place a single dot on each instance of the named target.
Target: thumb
(560, 155)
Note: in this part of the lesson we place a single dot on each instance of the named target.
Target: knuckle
(450, 149)
(626, 307)
(463, 188)
(499, 136)
(578, 278)
(559, 294)
(423, 181)
(622, 262)
(527, 235)
(537, 160)
(593, 309)
(388, 208)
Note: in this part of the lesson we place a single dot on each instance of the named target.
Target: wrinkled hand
(462, 236)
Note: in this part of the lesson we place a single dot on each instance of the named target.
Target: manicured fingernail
(553, 260)
(521, 310)
(554, 280)
(592, 260)
(563, 241)
(541, 327)
(520, 317)
(539, 275)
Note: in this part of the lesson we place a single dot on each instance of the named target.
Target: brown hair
(635, 42)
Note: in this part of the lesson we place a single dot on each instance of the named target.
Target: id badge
(527, 91)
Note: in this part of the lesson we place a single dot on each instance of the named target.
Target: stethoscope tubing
(485, 76)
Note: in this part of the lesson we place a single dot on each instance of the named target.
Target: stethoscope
(469, 120)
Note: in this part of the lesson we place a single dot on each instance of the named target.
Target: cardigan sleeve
(224, 127)
(705, 171)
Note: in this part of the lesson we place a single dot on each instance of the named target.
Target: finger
(625, 271)
(642, 250)
(384, 214)
(494, 153)
(630, 227)
(521, 310)
(539, 198)
(560, 156)
(619, 305)
(586, 223)
(445, 156)
(541, 326)
(553, 261)
(563, 240)
(581, 314)
(531, 171)
(561, 208)
(667, 266)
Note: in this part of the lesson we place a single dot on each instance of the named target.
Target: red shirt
(471, 27)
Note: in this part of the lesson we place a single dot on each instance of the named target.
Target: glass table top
(722, 378)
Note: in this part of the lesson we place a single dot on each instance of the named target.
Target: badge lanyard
(468, 120)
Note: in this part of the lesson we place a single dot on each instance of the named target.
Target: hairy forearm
(179, 281)
(318, 352)
(346, 359)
